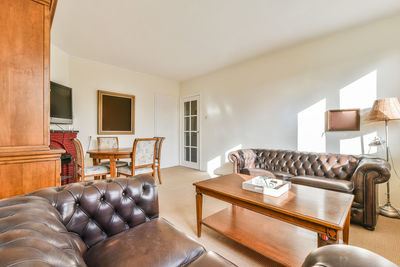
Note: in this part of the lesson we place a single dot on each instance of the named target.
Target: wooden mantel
(26, 161)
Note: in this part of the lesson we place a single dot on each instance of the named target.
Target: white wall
(278, 100)
(86, 77)
(59, 66)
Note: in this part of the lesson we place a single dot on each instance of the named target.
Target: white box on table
(267, 186)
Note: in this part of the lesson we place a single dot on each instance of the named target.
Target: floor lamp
(386, 109)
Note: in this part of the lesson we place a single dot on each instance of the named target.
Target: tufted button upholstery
(98, 210)
(107, 223)
(32, 234)
(344, 173)
(313, 164)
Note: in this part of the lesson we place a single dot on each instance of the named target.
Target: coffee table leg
(329, 238)
(346, 229)
(199, 211)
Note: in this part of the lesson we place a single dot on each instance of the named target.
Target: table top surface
(121, 150)
(312, 204)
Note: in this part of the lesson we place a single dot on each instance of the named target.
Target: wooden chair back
(144, 153)
(80, 157)
(107, 142)
(160, 141)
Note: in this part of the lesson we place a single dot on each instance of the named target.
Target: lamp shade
(385, 109)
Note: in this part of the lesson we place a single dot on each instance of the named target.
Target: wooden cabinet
(26, 161)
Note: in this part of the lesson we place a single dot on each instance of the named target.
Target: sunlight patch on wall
(351, 146)
(361, 93)
(213, 110)
(213, 164)
(311, 128)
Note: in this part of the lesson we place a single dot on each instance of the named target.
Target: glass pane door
(191, 132)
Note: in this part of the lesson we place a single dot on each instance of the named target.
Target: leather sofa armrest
(345, 255)
(242, 158)
(368, 173)
(371, 171)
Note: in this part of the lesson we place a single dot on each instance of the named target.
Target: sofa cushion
(325, 183)
(211, 259)
(154, 243)
(257, 172)
(32, 234)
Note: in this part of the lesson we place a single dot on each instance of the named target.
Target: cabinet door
(23, 178)
(24, 75)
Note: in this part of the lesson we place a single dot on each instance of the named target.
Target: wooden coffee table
(296, 223)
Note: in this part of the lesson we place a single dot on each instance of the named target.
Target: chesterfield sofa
(343, 173)
(101, 223)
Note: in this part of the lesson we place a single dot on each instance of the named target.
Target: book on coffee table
(267, 186)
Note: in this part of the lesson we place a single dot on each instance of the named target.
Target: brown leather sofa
(343, 173)
(345, 256)
(102, 223)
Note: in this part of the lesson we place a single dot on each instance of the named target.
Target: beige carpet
(177, 204)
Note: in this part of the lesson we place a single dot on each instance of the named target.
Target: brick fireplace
(62, 139)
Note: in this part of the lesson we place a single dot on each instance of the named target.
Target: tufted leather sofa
(102, 223)
(343, 173)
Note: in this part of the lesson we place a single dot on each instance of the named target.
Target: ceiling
(181, 39)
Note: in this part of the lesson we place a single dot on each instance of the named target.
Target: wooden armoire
(26, 161)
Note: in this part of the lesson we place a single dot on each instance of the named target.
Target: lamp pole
(388, 210)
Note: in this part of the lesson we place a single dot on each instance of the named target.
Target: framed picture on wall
(343, 120)
(115, 113)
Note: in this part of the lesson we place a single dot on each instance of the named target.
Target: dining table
(111, 154)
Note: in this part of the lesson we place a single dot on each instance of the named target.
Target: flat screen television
(60, 103)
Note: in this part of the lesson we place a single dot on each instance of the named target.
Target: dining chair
(83, 171)
(143, 158)
(159, 143)
(110, 142)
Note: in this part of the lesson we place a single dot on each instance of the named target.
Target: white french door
(190, 153)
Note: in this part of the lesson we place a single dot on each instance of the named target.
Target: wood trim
(46, 77)
(100, 93)
(31, 153)
(143, 166)
(53, 7)
(57, 171)
(43, 2)
(32, 156)
(20, 149)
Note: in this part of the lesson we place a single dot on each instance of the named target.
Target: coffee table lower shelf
(282, 242)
